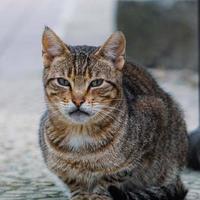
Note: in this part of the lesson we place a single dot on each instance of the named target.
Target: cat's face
(82, 83)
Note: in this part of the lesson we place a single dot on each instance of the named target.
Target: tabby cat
(109, 131)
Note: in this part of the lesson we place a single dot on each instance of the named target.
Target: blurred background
(161, 35)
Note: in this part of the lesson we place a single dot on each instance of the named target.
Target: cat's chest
(77, 141)
(82, 168)
(83, 165)
(80, 160)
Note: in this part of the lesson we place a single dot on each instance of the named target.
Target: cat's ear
(52, 46)
(114, 49)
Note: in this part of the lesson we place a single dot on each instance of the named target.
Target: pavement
(23, 175)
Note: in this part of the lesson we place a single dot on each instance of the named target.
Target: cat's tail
(169, 192)
(194, 150)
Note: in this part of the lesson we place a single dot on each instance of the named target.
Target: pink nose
(78, 101)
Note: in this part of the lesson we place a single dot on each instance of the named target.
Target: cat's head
(82, 83)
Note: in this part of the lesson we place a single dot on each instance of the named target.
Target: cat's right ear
(114, 49)
(52, 46)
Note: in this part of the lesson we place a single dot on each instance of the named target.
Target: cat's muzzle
(79, 115)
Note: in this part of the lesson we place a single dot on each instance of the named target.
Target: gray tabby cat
(109, 132)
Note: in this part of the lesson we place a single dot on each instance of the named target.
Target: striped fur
(133, 145)
(169, 192)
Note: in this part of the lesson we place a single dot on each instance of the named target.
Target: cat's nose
(78, 101)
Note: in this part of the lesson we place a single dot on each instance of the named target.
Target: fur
(132, 141)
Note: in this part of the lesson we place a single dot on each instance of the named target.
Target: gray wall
(160, 35)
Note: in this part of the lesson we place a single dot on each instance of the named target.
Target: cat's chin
(79, 117)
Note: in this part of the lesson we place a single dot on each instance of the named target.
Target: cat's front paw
(116, 193)
(87, 196)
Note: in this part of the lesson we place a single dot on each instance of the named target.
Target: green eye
(63, 82)
(96, 83)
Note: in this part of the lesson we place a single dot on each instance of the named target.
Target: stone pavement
(23, 175)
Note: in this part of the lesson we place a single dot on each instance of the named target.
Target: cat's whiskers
(110, 107)
(117, 99)
(113, 108)
(53, 114)
(103, 115)
(98, 110)
(101, 108)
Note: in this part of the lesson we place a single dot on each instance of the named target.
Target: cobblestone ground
(23, 174)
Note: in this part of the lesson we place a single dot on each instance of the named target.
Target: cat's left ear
(114, 49)
(52, 46)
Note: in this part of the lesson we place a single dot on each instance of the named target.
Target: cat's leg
(80, 191)
(100, 192)
(90, 196)
(174, 191)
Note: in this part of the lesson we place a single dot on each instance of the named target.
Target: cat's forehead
(81, 58)
(82, 50)
(82, 62)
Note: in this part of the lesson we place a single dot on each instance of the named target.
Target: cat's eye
(96, 83)
(63, 82)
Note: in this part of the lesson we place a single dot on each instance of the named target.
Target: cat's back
(140, 86)
(138, 81)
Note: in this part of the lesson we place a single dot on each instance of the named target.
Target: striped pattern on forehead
(81, 58)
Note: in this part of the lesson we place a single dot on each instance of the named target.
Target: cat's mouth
(79, 116)
(78, 112)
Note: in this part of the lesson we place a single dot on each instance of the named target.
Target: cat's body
(136, 142)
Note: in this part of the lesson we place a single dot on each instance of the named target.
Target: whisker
(111, 108)
(107, 115)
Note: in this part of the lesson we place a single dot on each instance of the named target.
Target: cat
(109, 130)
